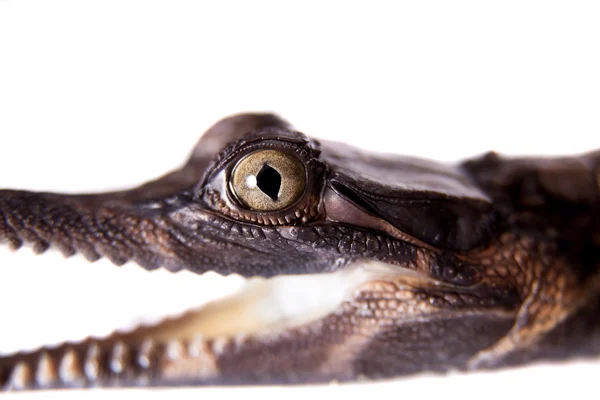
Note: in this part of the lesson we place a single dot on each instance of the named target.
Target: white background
(104, 95)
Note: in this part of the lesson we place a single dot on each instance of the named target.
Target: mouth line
(182, 305)
(235, 305)
(272, 305)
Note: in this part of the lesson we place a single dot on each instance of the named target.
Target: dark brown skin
(505, 255)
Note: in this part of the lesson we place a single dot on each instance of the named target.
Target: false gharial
(426, 267)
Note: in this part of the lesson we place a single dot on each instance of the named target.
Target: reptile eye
(268, 180)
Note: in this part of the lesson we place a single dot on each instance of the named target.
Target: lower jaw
(70, 300)
(263, 312)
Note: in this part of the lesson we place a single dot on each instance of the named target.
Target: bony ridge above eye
(268, 180)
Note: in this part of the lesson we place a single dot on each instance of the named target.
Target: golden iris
(268, 180)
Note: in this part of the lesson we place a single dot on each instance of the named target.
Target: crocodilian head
(258, 198)
(378, 246)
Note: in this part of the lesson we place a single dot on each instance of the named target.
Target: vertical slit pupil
(269, 181)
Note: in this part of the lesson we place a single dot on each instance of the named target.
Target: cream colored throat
(275, 304)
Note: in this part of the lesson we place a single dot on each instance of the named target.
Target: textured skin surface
(504, 257)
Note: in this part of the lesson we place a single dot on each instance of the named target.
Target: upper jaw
(231, 246)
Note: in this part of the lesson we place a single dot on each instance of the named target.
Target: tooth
(118, 358)
(218, 345)
(69, 370)
(175, 349)
(20, 377)
(197, 346)
(144, 358)
(239, 340)
(91, 366)
(45, 374)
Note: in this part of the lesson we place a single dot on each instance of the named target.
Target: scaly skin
(505, 257)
